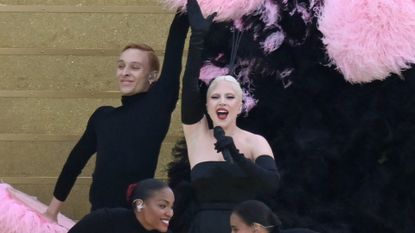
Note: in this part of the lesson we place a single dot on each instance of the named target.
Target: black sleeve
(192, 104)
(169, 81)
(264, 169)
(95, 222)
(77, 160)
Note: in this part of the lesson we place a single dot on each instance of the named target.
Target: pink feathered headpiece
(369, 39)
(225, 9)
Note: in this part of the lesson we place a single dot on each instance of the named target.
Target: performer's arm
(53, 209)
(192, 104)
(169, 80)
(264, 167)
(74, 164)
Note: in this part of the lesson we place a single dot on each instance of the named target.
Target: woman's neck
(140, 219)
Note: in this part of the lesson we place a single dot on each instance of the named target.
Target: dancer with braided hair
(151, 210)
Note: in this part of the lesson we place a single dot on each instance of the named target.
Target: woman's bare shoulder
(257, 143)
(252, 137)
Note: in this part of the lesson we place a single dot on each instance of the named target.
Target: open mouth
(125, 82)
(165, 221)
(222, 114)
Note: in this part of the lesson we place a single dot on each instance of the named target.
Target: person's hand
(196, 20)
(223, 143)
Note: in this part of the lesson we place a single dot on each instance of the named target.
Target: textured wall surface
(57, 62)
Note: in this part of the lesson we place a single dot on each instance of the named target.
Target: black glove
(226, 142)
(192, 104)
(197, 22)
(199, 25)
(264, 167)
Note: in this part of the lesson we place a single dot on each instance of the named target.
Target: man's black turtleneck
(127, 139)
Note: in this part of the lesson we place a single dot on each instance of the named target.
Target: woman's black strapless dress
(218, 186)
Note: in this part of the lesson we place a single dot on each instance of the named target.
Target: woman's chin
(162, 229)
(220, 123)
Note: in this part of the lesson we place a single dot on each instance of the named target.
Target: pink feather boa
(225, 9)
(369, 39)
(20, 213)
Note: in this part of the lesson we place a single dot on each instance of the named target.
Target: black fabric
(106, 220)
(127, 139)
(192, 103)
(198, 23)
(218, 186)
(264, 168)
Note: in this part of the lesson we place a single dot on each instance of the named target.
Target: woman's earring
(255, 226)
(139, 204)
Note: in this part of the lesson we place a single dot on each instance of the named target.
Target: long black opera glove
(192, 104)
(264, 167)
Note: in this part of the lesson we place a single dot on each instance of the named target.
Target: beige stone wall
(57, 63)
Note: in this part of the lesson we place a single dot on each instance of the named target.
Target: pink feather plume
(249, 102)
(270, 14)
(21, 213)
(273, 42)
(209, 72)
(369, 39)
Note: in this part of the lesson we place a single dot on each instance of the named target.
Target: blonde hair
(153, 59)
(237, 87)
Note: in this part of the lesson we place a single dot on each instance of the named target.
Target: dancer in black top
(249, 169)
(151, 210)
(127, 139)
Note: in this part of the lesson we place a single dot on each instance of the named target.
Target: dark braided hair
(144, 189)
(253, 211)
